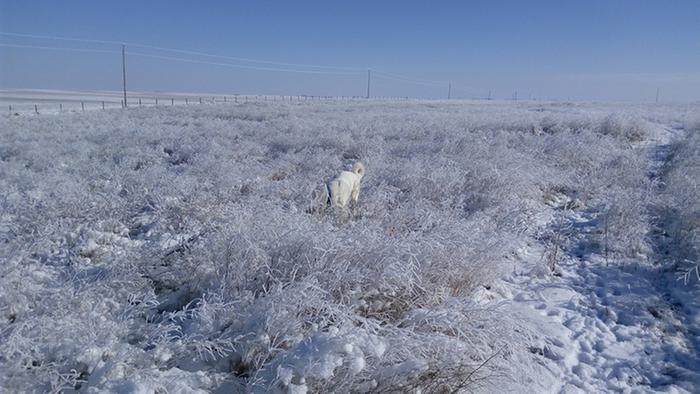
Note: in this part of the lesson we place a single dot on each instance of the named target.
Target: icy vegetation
(181, 249)
(682, 190)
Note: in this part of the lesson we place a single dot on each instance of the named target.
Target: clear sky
(578, 50)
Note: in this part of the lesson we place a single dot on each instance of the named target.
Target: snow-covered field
(44, 101)
(522, 247)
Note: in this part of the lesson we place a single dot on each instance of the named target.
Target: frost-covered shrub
(174, 249)
(626, 193)
(631, 128)
(682, 200)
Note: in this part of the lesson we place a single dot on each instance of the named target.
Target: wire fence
(66, 103)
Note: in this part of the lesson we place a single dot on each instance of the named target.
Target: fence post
(103, 104)
(10, 109)
(60, 108)
(156, 101)
(139, 101)
(224, 98)
(172, 101)
(36, 109)
(200, 100)
(82, 106)
(186, 101)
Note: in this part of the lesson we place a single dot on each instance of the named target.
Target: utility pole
(489, 96)
(449, 90)
(657, 95)
(368, 79)
(124, 71)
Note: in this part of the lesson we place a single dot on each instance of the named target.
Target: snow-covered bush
(624, 126)
(174, 249)
(682, 194)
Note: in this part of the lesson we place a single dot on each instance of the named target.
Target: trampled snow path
(603, 326)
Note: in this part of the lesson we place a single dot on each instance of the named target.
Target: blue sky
(578, 50)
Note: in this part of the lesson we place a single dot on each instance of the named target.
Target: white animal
(346, 186)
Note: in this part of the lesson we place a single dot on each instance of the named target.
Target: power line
(245, 58)
(58, 38)
(426, 82)
(181, 51)
(321, 69)
(58, 48)
(183, 60)
(466, 90)
(397, 77)
(290, 70)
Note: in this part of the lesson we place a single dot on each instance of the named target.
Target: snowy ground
(608, 326)
(524, 247)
